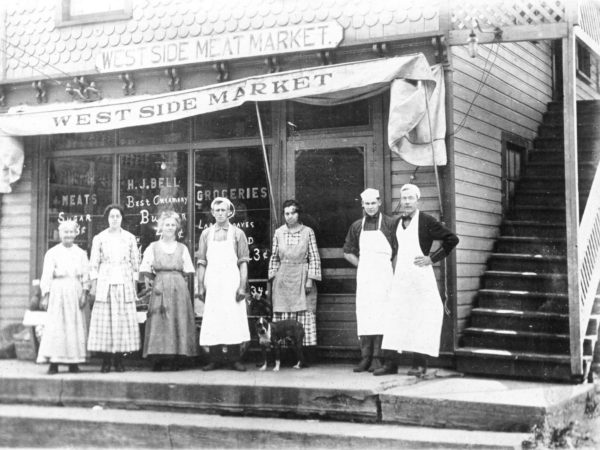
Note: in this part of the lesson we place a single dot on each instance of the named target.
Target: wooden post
(572, 194)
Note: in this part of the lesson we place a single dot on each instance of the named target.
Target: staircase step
(583, 107)
(584, 144)
(528, 263)
(524, 281)
(547, 168)
(555, 130)
(491, 361)
(523, 300)
(529, 228)
(531, 245)
(527, 182)
(521, 341)
(544, 197)
(35, 426)
(540, 322)
(556, 156)
(548, 214)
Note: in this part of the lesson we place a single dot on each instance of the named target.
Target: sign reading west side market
(220, 47)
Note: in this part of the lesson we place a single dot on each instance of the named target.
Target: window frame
(64, 18)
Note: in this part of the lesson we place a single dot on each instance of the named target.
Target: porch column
(571, 189)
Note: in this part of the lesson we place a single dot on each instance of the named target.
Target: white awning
(322, 85)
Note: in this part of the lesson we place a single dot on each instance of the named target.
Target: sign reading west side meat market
(327, 83)
(220, 47)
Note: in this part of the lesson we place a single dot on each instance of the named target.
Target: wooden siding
(15, 248)
(506, 88)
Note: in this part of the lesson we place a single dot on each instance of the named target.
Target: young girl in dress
(170, 328)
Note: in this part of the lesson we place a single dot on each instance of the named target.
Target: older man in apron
(415, 311)
(223, 257)
(370, 245)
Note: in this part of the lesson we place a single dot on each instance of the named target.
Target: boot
(105, 363)
(118, 362)
(390, 366)
(377, 360)
(419, 365)
(74, 368)
(213, 354)
(366, 353)
(235, 356)
(53, 369)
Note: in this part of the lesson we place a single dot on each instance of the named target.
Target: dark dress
(170, 328)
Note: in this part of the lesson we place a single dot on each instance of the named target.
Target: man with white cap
(370, 245)
(415, 311)
(223, 257)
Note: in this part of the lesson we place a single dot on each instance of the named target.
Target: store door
(327, 177)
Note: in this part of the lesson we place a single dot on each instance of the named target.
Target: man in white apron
(370, 245)
(415, 311)
(223, 257)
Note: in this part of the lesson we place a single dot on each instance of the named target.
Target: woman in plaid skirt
(294, 266)
(114, 265)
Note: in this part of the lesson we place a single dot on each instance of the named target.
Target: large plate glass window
(151, 183)
(79, 189)
(239, 175)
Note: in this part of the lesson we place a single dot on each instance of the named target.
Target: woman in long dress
(64, 286)
(114, 263)
(294, 266)
(170, 329)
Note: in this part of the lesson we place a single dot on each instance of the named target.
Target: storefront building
(165, 105)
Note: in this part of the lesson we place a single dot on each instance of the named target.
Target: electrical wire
(45, 63)
(486, 73)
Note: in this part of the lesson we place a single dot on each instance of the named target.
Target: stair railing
(589, 256)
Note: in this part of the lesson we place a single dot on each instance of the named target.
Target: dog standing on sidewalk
(273, 334)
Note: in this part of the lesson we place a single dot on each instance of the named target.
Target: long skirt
(114, 327)
(170, 327)
(308, 321)
(65, 332)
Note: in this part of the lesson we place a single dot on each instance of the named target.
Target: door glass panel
(239, 175)
(80, 188)
(328, 184)
(302, 116)
(150, 184)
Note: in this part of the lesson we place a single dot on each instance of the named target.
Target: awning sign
(329, 83)
(220, 47)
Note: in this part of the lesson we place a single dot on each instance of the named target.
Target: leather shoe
(417, 371)
(238, 366)
(387, 369)
(363, 365)
(105, 366)
(74, 368)
(53, 369)
(210, 366)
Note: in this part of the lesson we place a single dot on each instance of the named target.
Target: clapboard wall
(15, 247)
(505, 89)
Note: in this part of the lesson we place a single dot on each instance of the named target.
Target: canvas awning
(412, 81)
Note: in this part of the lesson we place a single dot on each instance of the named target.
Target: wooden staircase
(520, 324)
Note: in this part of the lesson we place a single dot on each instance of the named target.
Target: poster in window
(239, 175)
(79, 189)
(151, 183)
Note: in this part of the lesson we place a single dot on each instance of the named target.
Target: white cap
(412, 188)
(369, 195)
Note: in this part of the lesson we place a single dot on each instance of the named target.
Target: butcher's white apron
(225, 321)
(373, 280)
(415, 315)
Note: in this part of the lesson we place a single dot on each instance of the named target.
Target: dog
(272, 334)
